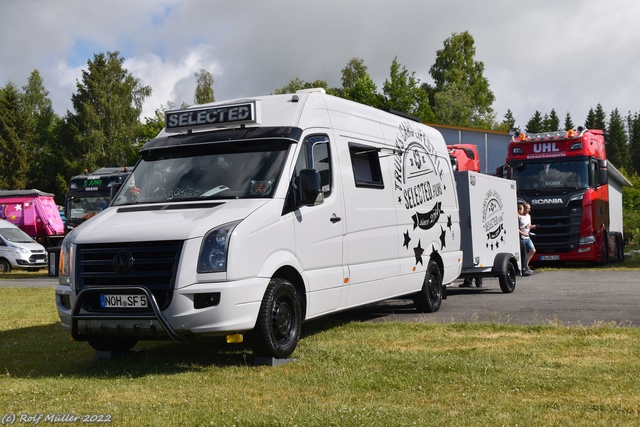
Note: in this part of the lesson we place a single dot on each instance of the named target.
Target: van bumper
(217, 308)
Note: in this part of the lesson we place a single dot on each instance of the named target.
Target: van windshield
(15, 235)
(237, 170)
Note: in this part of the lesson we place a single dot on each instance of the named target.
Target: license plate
(549, 257)
(123, 301)
(39, 261)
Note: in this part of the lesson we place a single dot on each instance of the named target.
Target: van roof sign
(244, 112)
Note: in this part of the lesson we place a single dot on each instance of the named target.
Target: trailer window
(366, 166)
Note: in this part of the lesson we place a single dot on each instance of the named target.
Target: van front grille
(119, 265)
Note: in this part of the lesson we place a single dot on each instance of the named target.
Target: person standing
(525, 235)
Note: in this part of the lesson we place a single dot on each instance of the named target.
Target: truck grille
(558, 230)
(150, 264)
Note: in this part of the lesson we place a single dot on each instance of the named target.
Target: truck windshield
(85, 206)
(242, 169)
(563, 175)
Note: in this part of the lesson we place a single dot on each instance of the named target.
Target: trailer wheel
(120, 344)
(5, 266)
(429, 298)
(508, 279)
(279, 322)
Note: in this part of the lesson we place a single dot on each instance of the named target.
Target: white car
(18, 250)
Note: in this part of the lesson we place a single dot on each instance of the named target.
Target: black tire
(429, 298)
(279, 322)
(508, 279)
(120, 344)
(605, 249)
(5, 266)
(619, 247)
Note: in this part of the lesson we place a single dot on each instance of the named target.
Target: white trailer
(489, 227)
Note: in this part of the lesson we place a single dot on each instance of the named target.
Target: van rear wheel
(279, 322)
(429, 298)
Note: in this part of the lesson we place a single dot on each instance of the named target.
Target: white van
(248, 217)
(18, 250)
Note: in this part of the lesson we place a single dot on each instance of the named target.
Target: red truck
(574, 193)
(464, 157)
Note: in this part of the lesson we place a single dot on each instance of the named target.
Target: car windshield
(552, 175)
(242, 169)
(15, 235)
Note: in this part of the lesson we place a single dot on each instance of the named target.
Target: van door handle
(335, 218)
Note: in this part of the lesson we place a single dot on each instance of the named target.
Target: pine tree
(14, 137)
(616, 140)
(568, 123)
(535, 123)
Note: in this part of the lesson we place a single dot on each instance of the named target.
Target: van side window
(366, 166)
(315, 154)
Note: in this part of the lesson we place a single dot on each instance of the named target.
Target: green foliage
(460, 94)
(535, 123)
(596, 119)
(107, 104)
(204, 87)
(358, 86)
(16, 139)
(616, 141)
(298, 84)
(631, 210)
(403, 93)
(345, 373)
(568, 122)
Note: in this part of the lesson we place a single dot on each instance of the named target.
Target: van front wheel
(279, 322)
(429, 298)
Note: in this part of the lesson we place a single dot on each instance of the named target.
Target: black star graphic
(449, 224)
(418, 251)
(407, 239)
(443, 234)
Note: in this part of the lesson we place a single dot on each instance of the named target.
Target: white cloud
(538, 55)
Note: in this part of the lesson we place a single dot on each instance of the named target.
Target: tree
(616, 140)
(596, 119)
(460, 95)
(45, 162)
(403, 93)
(14, 132)
(509, 123)
(297, 84)
(204, 87)
(634, 144)
(551, 121)
(568, 123)
(108, 104)
(535, 123)
(357, 84)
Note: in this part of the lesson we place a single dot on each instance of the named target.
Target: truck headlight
(587, 240)
(213, 253)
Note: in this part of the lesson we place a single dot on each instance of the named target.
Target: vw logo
(123, 262)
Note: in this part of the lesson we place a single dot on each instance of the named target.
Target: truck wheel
(508, 279)
(605, 249)
(121, 344)
(5, 267)
(428, 300)
(279, 322)
(619, 247)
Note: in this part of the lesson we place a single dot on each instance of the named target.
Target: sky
(568, 55)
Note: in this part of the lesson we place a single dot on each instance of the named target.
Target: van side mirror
(113, 190)
(310, 188)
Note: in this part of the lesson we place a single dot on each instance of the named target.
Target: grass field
(345, 373)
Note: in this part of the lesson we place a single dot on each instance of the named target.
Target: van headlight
(21, 251)
(67, 252)
(215, 245)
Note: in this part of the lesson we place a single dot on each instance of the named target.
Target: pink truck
(35, 213)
